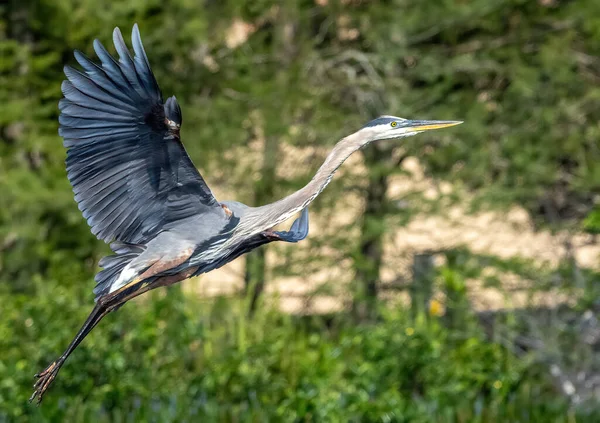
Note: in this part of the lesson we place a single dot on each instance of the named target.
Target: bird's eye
(394, 124)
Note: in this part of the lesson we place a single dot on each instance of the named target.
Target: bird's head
(389, 127)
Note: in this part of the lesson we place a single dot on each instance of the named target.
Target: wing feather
(131, 176)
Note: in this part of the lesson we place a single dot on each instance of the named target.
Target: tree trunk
(263, 193)
(254, 277)
(264, 189)
(421, 288)
(368, 263)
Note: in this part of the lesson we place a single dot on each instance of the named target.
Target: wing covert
(129, 170)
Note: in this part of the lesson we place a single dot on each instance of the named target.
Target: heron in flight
(139, 191)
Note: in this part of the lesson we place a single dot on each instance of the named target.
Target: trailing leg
(48, 375)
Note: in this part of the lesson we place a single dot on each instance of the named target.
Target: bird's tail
(114, 264)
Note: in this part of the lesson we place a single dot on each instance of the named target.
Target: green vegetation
(183, 359)
(524, 75)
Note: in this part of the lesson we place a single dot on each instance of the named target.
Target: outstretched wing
(129, 170)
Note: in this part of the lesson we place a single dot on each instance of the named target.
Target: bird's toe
(44, 379)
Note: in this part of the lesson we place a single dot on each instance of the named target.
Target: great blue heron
(139, 191)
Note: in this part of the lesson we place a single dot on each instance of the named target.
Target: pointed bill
(426, 125)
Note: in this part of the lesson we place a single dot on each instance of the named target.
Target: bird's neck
(338, 155)
(267, 216)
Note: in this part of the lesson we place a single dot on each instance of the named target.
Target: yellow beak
(426, 125)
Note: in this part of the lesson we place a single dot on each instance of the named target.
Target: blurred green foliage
(522, 74)
(184, 359)
(592, 222)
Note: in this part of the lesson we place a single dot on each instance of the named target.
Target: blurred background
(452, 276)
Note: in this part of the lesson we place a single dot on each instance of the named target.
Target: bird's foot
(44, 379)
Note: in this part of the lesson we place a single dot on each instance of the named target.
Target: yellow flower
(436, 308)
(409, 331)
(498, 384)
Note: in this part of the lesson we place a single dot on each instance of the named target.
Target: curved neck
(265, 217)
(338, 155)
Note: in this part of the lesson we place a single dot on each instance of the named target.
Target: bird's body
(139, 191)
